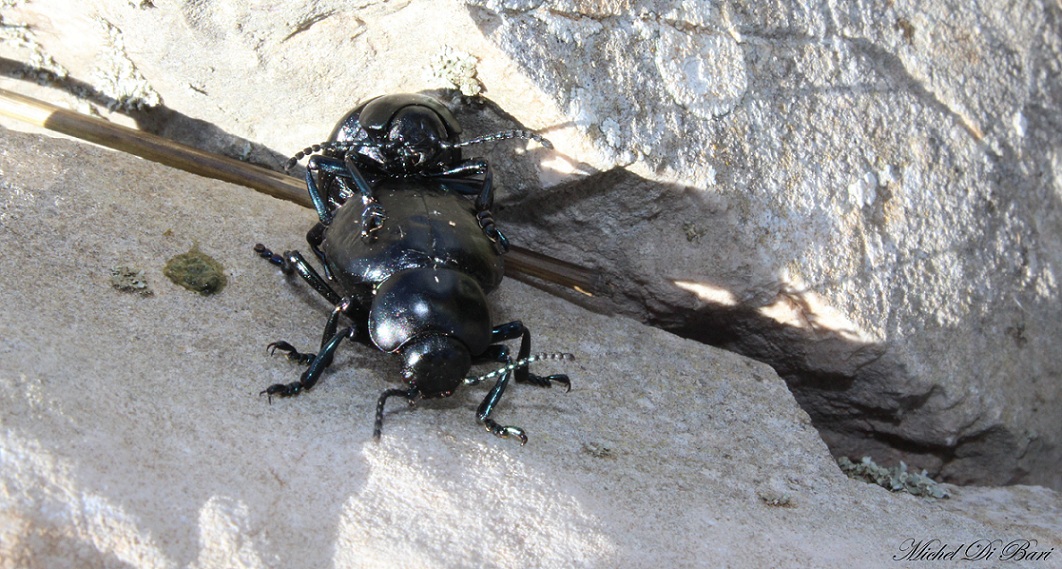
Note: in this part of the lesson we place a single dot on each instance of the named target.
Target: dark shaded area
(851, 390)
(866, 399)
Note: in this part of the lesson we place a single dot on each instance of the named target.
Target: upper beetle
(398, 136)
(412, 281)
(402, 135)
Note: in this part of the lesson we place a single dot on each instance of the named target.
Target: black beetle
(415, 286)
(397, 136)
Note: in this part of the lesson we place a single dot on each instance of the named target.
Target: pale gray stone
(863, 196)
(133, 434)
(866, 198)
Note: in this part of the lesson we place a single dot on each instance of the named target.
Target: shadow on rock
(679, 258)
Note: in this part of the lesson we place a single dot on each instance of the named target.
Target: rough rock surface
(865, 197)
(132, 433)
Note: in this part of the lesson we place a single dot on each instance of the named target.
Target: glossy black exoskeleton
(398, 136)
(415, 286)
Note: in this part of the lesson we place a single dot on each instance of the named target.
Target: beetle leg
(410, 394)
(293, 354)
(294, 262)
(343, 307)
(350, 170)
(464, 168)
(316, 164)
(315, 236)
(484, 196)
(485, 200)
(373, 216)
(313, 373)
(298, 263)
(500, 353)
(486, 222)
(493, 353)
(487, 407)
(514, 330)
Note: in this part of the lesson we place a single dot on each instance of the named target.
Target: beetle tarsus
(278, 260)
(317, 366)
(290, 352)
(282, 390)
(486, 223)
(505, 431)
(487, 407)
(293, 262)
(548, 380)
(372, 220)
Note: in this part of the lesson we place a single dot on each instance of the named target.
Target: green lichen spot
(896, 479)
(458, 69)
(197, 272)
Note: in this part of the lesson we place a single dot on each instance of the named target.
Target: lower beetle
(415, 287)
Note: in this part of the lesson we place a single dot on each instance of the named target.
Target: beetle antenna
(504, 135)
(342, 146)
(410, 394)
(519, 364)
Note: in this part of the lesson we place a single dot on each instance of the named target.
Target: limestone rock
(866, 198)
(134, 434)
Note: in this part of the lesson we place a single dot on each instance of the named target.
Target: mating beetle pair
(412, 267)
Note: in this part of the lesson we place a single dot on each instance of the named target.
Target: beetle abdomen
(426, 226)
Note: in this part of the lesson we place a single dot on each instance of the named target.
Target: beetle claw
(562, 379)
(372, 220)
(505, 431)
(549, 380)
(292, 354)
(281, 390)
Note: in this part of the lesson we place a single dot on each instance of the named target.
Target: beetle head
(415, 140)
(435, 364)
